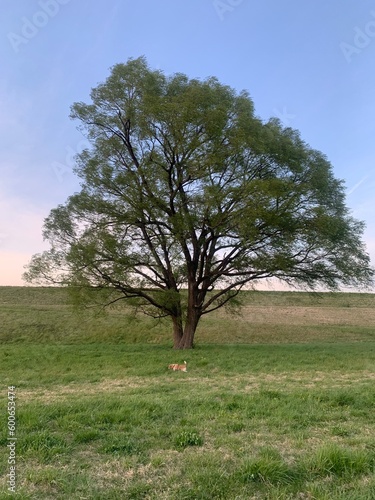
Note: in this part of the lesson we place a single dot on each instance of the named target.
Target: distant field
(43, 315)
(278, 403)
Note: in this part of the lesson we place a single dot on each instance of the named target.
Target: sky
(311, 64)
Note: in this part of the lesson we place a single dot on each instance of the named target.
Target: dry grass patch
(309, 315)
(245, 383)
(61, 392)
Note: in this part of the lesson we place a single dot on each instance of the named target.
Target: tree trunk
(193, 314)
(187, 339)
(178, 331)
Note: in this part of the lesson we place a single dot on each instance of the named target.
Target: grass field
(277, 403)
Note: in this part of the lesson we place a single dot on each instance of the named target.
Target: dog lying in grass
(176, 367)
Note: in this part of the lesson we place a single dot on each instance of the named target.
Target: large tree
(187, 197)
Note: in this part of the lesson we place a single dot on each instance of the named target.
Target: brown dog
(176, 367)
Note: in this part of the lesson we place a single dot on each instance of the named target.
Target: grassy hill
(44, 315)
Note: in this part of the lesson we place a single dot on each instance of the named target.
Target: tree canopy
(187, 197)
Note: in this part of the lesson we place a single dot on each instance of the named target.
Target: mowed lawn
(277, 403)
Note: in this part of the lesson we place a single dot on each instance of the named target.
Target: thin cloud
(356, 186)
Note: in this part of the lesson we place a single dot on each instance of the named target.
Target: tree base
(181, 347)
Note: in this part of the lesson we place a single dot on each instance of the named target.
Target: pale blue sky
(310, 63)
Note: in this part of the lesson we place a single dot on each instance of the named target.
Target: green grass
(273, 420)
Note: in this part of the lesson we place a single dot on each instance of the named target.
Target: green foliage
(86, 436)
(188, 438)
(335, 460)
(269, 467)
(42, 444)
(121, 446)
